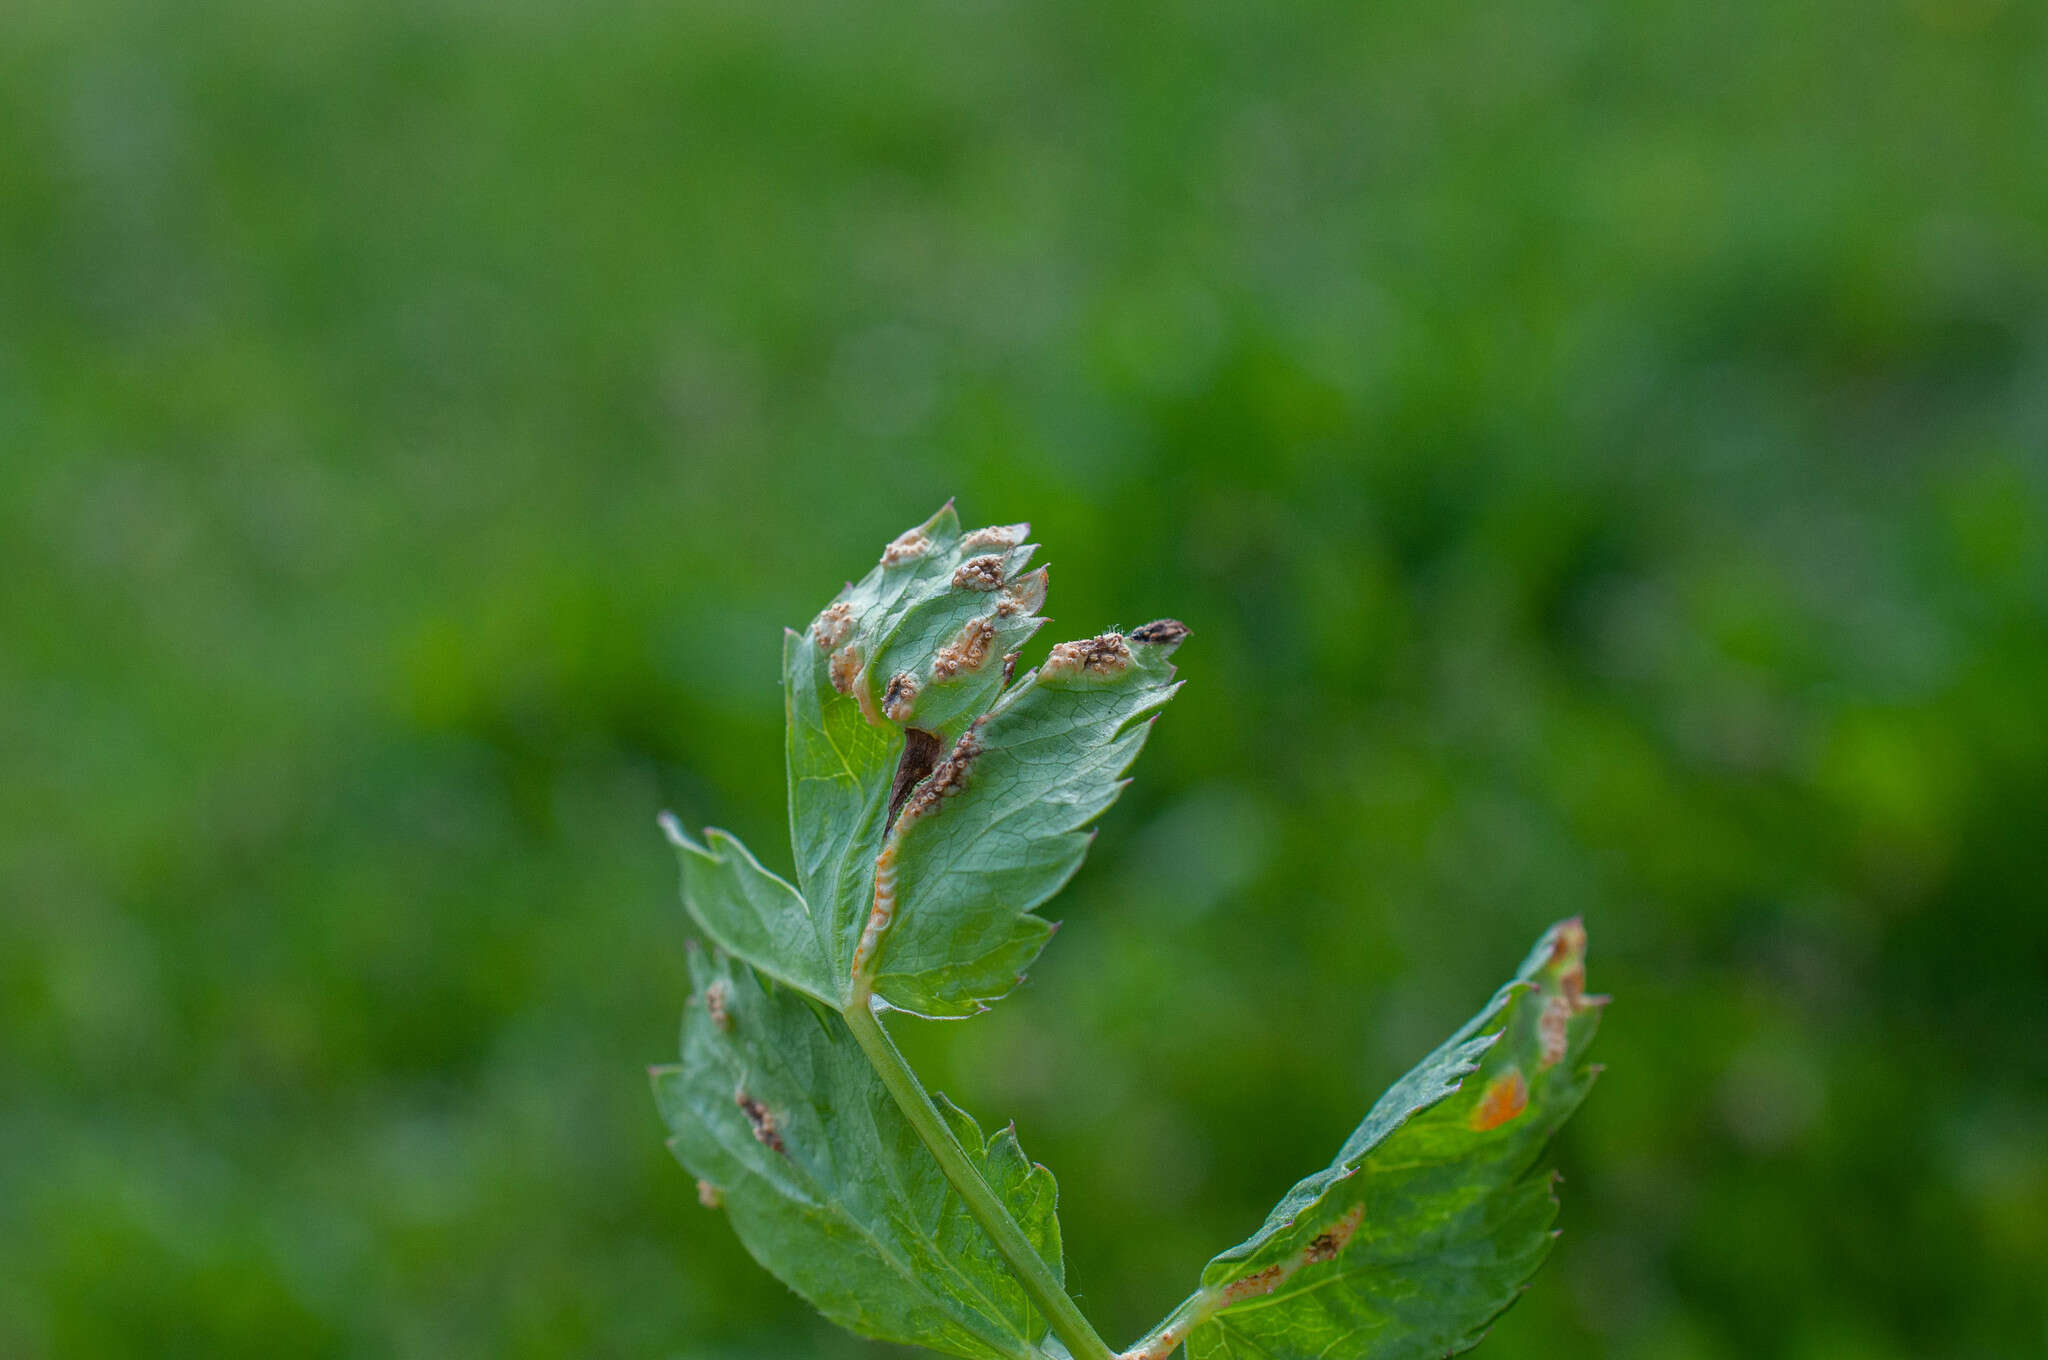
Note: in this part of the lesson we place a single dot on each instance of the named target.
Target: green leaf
(894, 712)
(883, 680)
(778, 1113)
(1430, 1220)
(748, 911)
(996, 829)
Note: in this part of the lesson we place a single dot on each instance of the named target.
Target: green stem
(1036, 1277)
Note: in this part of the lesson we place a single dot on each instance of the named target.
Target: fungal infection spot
(995, 536)
(1506, 1096)
(900, 697)
(708, 1196)
(1160, 633)
(969, 651)
(949, 778)
(1328, 1244)
(1255, 1285)
(761, 1120)
(833, 625)
(844, 668)
(908, 546)
(979, 573)
(1025, 595)
(1010, 666)
(716, 997)
(881, 913)
(1106, 655)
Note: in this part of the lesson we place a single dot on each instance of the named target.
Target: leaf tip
(1166, 633)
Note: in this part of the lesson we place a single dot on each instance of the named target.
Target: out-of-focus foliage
(1599, 449)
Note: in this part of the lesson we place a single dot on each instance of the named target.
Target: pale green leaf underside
(774, 1107)
(1432, 1217)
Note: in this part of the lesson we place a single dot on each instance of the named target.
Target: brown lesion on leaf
(1160, 633)
(1010, 666)
(708, 1196)
(717, 999)
(833, 625)
(949, 777)
(1105, 655)
(920, 754)
(900, 697)
(979, 573)
(1338, 1236)
(1505, 1097)
(844, 668)
(968, 651)
(908, 546)
(761, 1120)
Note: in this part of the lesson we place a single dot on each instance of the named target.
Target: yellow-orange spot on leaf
(1506, 1096)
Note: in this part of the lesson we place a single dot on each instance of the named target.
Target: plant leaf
(997, 828)
(892, 701)
(1430, 1220)
(884, 679)
(748, 911)
(776, 1110)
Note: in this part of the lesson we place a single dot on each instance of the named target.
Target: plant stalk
(1046, 1292)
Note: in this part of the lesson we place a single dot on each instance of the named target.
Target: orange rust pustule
(832, 625)
(908, 546)
(994, 536)
(1104, 655)
(1024, 595)
(979, 573)
(708, 1196)
(882, 913)
(844, 668)
(1506, 1096)
(715, 997)
(900, 697)
(761, 1120)
(969, 651)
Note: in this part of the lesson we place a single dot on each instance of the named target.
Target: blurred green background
(1599, 448)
